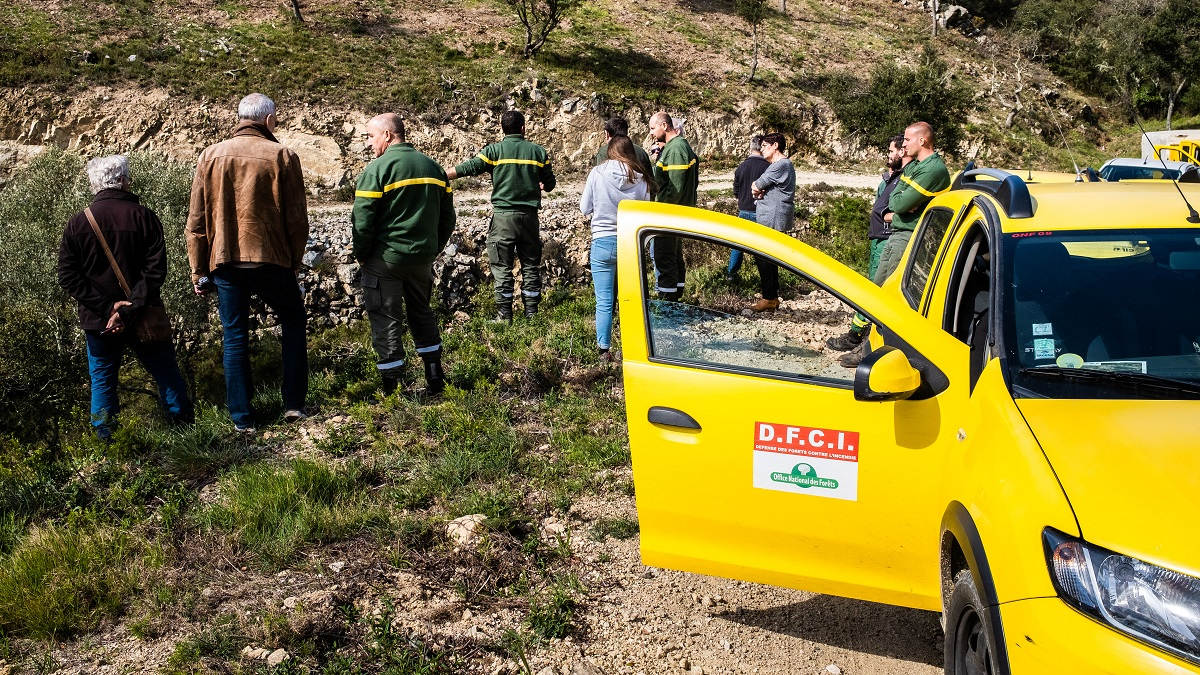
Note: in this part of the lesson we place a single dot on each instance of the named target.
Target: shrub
(839, 228)
(895, 96)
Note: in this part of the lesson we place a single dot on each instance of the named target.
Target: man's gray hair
(108, 172)
(256, 107)
(756, 143)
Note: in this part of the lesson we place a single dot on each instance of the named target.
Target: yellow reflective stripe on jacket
(913, 184)
(676, 167)
(402, 183)
(534, 162)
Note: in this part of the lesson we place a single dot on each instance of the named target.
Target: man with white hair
(108, 312)
(246, 234)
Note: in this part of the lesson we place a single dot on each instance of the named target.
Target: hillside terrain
(167, 75)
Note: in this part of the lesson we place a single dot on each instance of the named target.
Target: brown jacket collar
(253, 128)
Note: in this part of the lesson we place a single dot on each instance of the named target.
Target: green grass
(61, 580)
(617, 528)
(272, 512)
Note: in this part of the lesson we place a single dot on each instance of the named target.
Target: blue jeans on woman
(105, 354)
(604, 279)
(277, 287)
(735, 255)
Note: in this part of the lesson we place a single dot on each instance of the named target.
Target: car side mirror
(885, 375)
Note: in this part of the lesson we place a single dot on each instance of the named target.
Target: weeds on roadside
(617, 528)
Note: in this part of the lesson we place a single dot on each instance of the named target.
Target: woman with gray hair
(113, 261)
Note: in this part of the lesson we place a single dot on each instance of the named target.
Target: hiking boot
(391, 381)
(669, 296)
(503, 312)
(531, 307)
(852, 358)
(245, 430)
(765, 305)
(847, 341)
(435, 379)
(293, 415)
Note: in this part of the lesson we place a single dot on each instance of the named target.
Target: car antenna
(1066, 145)
(1193, 217)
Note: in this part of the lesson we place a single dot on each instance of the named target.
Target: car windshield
(1117, 172)
(1103, 314)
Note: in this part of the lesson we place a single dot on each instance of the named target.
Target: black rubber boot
(531, 307)
(435, 379)
(391, 380)
(503, 312)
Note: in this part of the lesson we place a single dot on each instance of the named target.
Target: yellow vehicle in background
(1020, 451)
(1183, 151)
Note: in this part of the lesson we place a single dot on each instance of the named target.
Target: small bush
(62, 580)
(552, 612)
(895, 96)
(617, 528)
(839, 228)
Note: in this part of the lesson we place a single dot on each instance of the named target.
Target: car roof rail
(1007, 188)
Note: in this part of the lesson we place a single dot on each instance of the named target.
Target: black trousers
(388, 291)
(768, 275)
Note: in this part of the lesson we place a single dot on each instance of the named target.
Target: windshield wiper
(1163, 387)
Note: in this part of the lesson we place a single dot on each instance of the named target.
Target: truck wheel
(969, 635)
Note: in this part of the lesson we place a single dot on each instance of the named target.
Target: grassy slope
(454, 55)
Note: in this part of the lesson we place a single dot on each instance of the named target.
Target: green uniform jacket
(642, 158)
(517, 167)
(677, 173)
(403, 211)
(919, 183)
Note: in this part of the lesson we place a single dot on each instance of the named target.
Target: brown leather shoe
(765, 305)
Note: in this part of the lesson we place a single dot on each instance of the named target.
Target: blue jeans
(277, 288)
(604, 278)
(735, 255)
(158, 358)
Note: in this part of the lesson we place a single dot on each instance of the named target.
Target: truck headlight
(1152, 604)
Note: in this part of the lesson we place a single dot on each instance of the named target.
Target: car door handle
(670, 417)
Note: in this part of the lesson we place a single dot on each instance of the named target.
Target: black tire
(971, 647)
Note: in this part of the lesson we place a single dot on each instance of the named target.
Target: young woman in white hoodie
(617, 179)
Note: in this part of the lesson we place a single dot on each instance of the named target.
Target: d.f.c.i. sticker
(806, 460)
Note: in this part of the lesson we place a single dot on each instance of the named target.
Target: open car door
(755, 455)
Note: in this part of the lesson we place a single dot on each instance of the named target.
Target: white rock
(277, 657)
(466, 529)
(336, 567)
(291, 602)
(833, 669)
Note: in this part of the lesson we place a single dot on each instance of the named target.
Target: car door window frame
(934, 381)
(915, 245)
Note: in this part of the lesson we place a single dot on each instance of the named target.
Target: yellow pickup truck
(1020, 451)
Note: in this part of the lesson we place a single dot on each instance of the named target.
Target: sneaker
(765, 305)
(846, 341)
(605, 356)
(247, 430)
(293, 415)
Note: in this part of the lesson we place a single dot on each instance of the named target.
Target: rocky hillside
(167, 75)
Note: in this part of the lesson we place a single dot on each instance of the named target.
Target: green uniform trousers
(889, 257)
(515, 235)
(388, 291)
(860, 322)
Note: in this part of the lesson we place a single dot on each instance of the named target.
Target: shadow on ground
(883, 630)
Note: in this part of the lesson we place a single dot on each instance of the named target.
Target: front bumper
(1045, 635)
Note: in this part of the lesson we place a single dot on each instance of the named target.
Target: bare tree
(296, 11)
(540, 18)
(753, 11)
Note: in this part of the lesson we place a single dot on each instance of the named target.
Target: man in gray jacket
(775, 194)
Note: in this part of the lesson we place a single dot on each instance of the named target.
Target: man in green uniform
(618, 126)
(402, 218)
(520, 172)
(677, 173)
(923, 177)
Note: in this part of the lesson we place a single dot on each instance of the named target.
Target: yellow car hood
(1131, 470)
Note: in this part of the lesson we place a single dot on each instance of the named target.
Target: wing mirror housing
(885, 375)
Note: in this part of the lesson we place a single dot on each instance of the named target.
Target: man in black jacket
(106, 314)
(743, 184)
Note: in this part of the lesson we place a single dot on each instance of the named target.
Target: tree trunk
(934, 12)
(296, 11)
(783, 6)
(754, 60)
(1171, 99)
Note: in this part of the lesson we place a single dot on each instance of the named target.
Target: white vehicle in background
(1137, 168)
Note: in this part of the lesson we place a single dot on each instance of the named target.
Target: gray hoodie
(607, 186)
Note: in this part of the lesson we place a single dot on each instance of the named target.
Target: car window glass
(713, 326)
(924, 250)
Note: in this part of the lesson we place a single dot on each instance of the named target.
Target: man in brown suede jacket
(246, 233)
